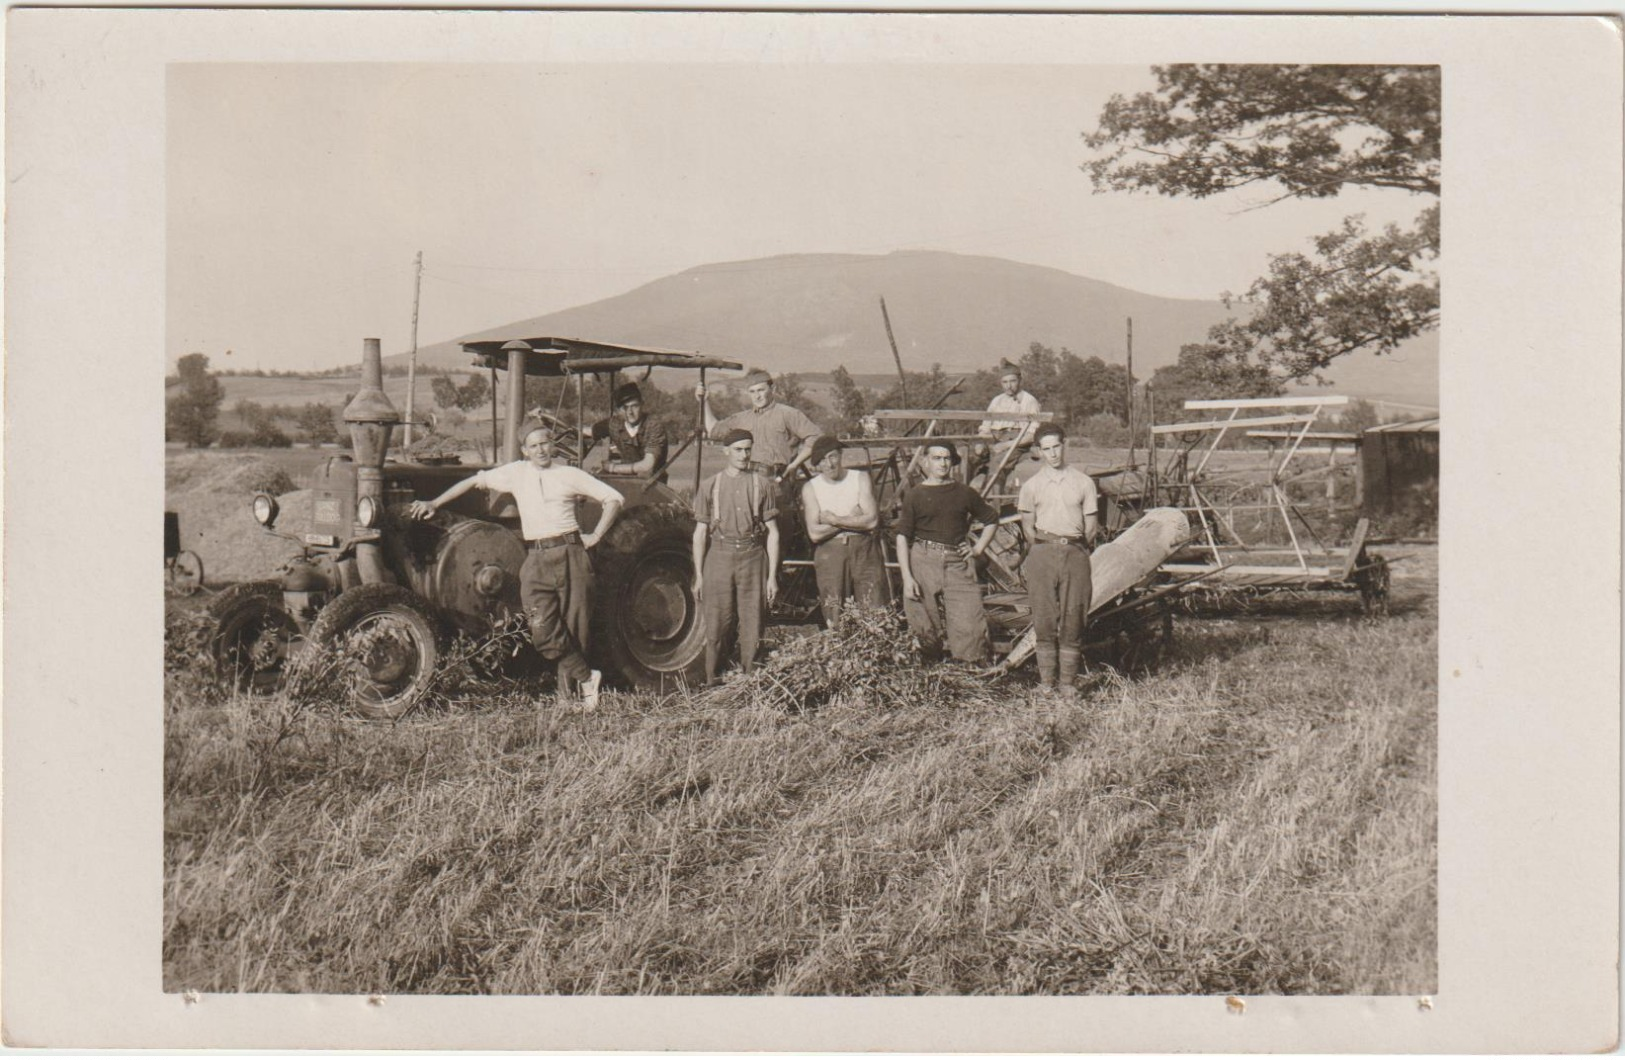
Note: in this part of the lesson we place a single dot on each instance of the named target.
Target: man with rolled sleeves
(839, 506)
(555, 580)
(637, 444)
(941, 597)
(1057, 506)
(783, 434)
(736, 553)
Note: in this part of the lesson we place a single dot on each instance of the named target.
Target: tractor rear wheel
(647, 628)
(390, 639)
(253, 636)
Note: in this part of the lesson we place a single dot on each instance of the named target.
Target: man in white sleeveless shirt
(839, 506)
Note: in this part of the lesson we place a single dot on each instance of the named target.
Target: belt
(542, 544)
(934, 546)
(843, 537)
(1052, 539)
(771, 469)
(739, 542)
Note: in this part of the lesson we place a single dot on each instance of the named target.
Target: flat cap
(822, 446)
(627, 392)
(758, 376)
(736, 435)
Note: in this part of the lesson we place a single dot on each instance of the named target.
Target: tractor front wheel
(389, 639)
(253, 635)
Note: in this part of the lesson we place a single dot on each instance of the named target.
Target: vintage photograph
(802, 529)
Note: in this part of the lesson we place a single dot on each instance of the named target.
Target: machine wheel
(1373, 582)
(186, 573)
(391, 640)
(253, 636)
(647, 627)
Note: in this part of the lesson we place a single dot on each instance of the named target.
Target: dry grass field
(1254, 816)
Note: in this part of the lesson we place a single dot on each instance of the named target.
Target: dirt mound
(220, 528)
(241, 473)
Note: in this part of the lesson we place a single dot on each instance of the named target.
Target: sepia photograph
(668, 509)
(807, 530)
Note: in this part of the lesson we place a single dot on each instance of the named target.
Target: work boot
(1070, 660)
(1046, 666)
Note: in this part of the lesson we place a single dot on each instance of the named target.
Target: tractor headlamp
(366, 512)
(265, 509)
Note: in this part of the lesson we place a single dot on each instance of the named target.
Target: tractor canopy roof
(556, 356)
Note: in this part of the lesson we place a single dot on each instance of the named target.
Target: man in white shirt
(1007, 435)
(1057, 506)
(839, 506)
(555, 582)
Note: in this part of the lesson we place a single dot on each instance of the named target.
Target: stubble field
(1254, 816)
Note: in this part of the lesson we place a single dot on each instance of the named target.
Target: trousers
(850, 567)
(1059, 587)
(734, 588)
(950, 604)
(555, 587)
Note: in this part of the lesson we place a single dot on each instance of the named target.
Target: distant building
(1399, 464)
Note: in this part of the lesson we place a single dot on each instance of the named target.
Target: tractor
(392, 591)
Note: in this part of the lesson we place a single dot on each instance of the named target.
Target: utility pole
(902, 380)
(412, 365)
(1130, 406)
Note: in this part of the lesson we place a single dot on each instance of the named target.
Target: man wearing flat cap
(839, 506)
(736, 553)
(941, 596)
(783, 434)
(637, 444)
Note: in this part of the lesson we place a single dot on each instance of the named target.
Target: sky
(298, 195)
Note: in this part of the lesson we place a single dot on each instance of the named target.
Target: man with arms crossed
(736, 553)
(555, 581)
(841, 513)
(1057, 506)
(783, 435)
(937, 564)
(637, 445)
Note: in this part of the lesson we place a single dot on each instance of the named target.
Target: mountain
(813, 312)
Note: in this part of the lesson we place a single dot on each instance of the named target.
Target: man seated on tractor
(941, 597)
(1057, 506)
(736, 553)
(555, 581)
(1010, 438)
(637, 444)
(839, 506)
(783, 434)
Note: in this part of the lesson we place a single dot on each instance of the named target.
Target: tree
(444, 391)
(1310, 131)
(850, 400)
(191, 415)
(316, 421)
(1219, 368)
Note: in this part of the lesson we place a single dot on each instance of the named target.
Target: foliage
(1310, 130)
(261, 427)
(1356, 292)
(1219, 368)
(475, 392)
(1358, 415)
(317, 423)
(851, 403)
(191, 415)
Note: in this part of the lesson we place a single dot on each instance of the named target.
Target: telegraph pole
(412, 365)
(1130, 406)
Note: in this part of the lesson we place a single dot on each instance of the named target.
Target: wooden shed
(1400, 466)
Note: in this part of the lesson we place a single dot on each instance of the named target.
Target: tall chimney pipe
(371, 417)
(516, 351)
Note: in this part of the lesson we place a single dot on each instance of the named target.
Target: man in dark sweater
(941, 597)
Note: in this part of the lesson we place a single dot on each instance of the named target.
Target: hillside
(811, 313)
